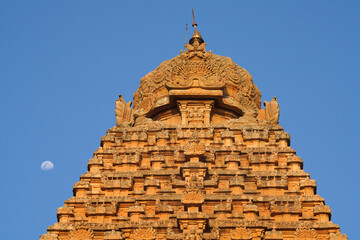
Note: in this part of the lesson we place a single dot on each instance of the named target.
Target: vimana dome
(195, 158)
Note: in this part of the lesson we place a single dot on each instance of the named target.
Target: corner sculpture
(123, 112)
(195, 158)
(272, 111)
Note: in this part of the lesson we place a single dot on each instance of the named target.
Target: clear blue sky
(63, 64)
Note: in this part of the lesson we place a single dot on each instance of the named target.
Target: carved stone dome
(198, 74)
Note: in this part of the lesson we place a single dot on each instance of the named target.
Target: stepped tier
(196, 158)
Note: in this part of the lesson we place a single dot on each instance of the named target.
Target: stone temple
(196, 157)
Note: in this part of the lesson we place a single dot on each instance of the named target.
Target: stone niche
(195, 112)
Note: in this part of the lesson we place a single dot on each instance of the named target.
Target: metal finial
(196, 36)
(185, 35)
(194, 23)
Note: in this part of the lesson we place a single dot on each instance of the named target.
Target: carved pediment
(273, 235)
(338, 236)
(81, 232)
(305, 234)
(49, 236)
(144, 233)
(113, 235)
(241, 233)
(203, 74)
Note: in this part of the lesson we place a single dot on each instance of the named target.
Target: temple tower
(195, 158)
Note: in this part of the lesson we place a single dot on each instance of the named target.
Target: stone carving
(286, 207)
(305, 233)
(169, 231)
(49, 236)
(195, 112)
(272, 111)
(236, 181)
(215, 178)
(227, 134)
(142, 120)
(322, 209)
(193, 193)
(193, 234)
(143, 136)
(144, 233)
(224, 207)
(113, 235)
(196, 49)
(136, 208)
(123, 112)
(82, 185)
(156, 157)
(271, 183)
(195, 73)
(232, 158)
(81, 232)
(241, 233)
(197, 68)
(114, 182)
(247, 119)
(161, 207)
(273, 235)
(163, 135)
(255, 133)
(194, 147)
(217, 231)
(249, 102)
(101, 207)
(338, 236)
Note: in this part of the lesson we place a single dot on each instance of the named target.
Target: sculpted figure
(247, 119)
(196, 49)
(193, 234)
(272, 111)
(123, 112)
(141, 119)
